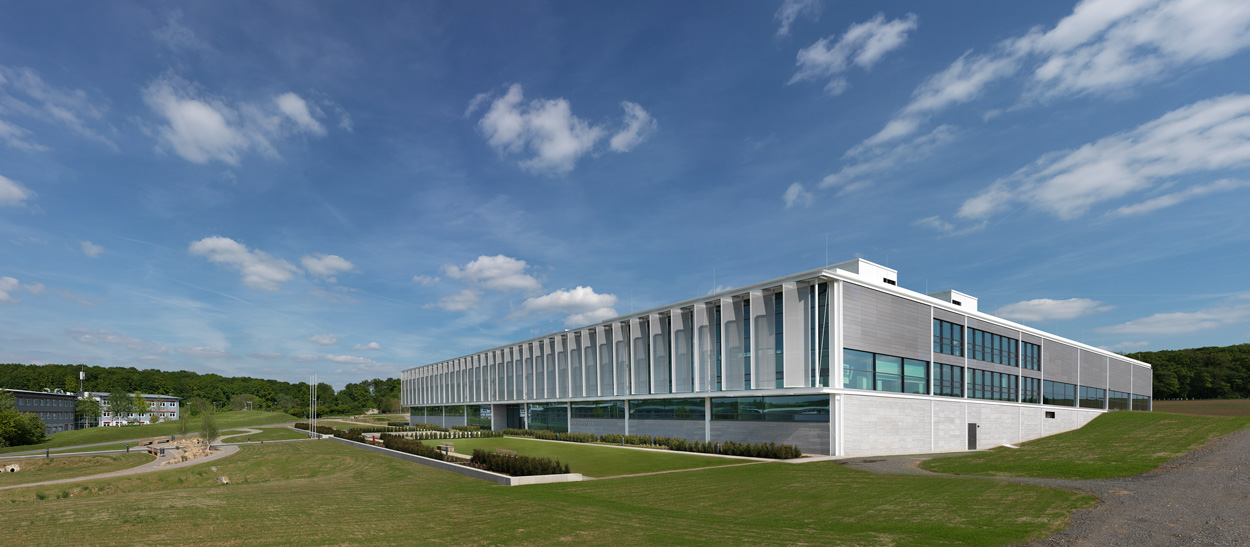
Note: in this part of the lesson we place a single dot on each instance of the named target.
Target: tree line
(1200, 373)
(215, 391)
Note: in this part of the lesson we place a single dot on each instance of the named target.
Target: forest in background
(223, 393)
(1200, 373)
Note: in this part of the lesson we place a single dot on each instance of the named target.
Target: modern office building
(839, 360)
(160, 408)
(54, 407)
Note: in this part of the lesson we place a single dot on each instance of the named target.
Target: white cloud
(424, 279)
(1126, 347)
(23, 92)
(102, 336)
(583, 305)
(863, 45)
(204, 352)
(36, 288)
(547, 131)
(324, 339)
(12, 193)
(19, 138)
(1206, 136)
(177, 36)
(91, 249)
(497, 272)
(326, 266)
(1103, 46)
(260, 271)
(8, 286)
(371, 346)
(638, 126)
(797, 195)
(297, 110)
(461, 301)
(202, 129)
(1046, 309)
(1234, 311)
(266, 355)
(1175, 198)
(790, 10)
(863, 173)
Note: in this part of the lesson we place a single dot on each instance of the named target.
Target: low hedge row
(410, 446)
(320, 429)
(517, 466)
(465, 427)
(428, 427)
(730, 448)
(397, 424)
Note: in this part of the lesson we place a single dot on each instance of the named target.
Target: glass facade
(453, 410)
(779, 340)
(1030, 390)
(1141, 402)
(599, 409)
(992, 348)
(821, 336)
(746, 341)
(1030, 356)
(1058, 393)
(478, 415)
(993, 386)
(948, 380)
(1117, 400)
(948, 338)
(1093, 397)
(788, 408)
(667, 409)
(877, 372)
(549, 417)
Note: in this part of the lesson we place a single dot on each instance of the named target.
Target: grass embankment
(266, 434)
(225, 420)
(1116, 444)
(324, 493)
(593, 460)
(1208, 407)
(134, 447)
(64, 468)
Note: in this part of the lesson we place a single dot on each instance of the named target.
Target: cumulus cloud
(1046, 309)
(797, 195)
(1103, 46)
(1206, 136)
(424, 279)
(497, 272)
(583, 305)
(102, 336)
(1231, 312)
(12, 193)
(461, 301)
(791, 10)
(8, 286)
(260, 271)
(324, 339)
(863, 45)
(201, 128)
(371, 346)
(91, 249)
(547, 132)
(326, 266)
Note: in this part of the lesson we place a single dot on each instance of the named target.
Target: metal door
(972, 436)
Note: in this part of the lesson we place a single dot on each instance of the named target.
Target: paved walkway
(1201, 498)
(225, 450)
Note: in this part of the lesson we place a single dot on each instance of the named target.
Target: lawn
(1116, 444)
(51, 469)
(324, 493)
(117, 446)
(1208, 407)
(593, 460)
(266, 434)
(225, 420)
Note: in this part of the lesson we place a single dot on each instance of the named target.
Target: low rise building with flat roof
(160, 408)
(53, 406)
(840, 360)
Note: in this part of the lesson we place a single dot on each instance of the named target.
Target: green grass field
(267, 434)
(1116, 444)
(117, 446)
(39, 470)
(324, 493)
(593, 460)
(1208, 407)
(225, 420)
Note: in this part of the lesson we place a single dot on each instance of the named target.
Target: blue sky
(292, 188)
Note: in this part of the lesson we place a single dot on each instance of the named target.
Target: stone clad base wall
(874, 425)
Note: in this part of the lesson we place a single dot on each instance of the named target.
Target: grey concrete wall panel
(810, 437)
(1026, 337)
(731, 338)
(1120, 376)
(1143, 381)
(885, 425)
(763, 340)
(607, 376)
(661, 354)
(1093, 370)
(590, 361)
(948, 359)
(620, 338)
(691, 430)
(994, 328)
(950, 426)
(997, 424)
(641, 351)
(704, 348)
(796, 332)
(948, 316)
(883, 323)
(1059, 362)
(553, 374)
(683, 350)
(597, 426)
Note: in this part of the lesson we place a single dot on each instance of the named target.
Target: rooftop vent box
(869, 270)
(965, 301)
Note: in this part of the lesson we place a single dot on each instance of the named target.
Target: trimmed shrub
(517, 466)
(397, 424)
(465, 427)
(410, 446)
(730, 448)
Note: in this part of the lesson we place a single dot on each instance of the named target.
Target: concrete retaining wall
(470, 472)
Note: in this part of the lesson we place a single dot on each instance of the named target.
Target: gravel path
(1201, 498)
